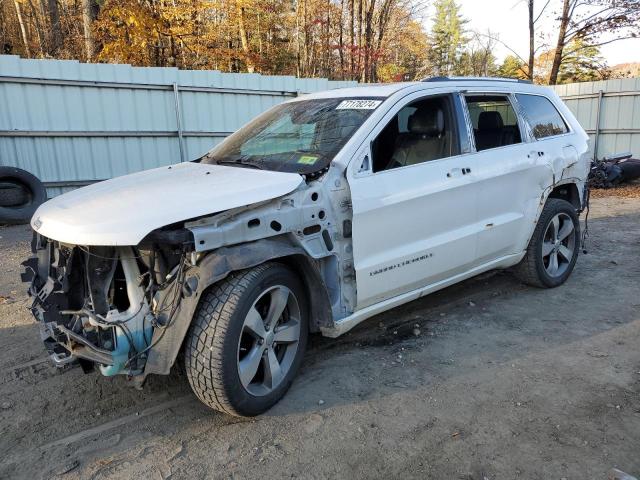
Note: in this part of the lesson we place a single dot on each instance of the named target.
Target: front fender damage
(215, 267)
(127, 310)
(82, 301)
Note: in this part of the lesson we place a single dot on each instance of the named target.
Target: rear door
(509, 171)
(550, 134)
(414, 218)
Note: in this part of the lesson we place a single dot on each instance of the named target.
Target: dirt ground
(488, 379)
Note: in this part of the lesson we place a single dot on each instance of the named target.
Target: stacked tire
(21, 193)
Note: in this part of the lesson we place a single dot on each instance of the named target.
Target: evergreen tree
(447, 38)
(582, 63)
(513, 67)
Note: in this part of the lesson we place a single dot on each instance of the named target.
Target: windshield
(301, 137)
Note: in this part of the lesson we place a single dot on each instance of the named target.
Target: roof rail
(473, 79)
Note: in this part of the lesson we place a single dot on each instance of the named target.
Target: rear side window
(494, 121)
(542, 116)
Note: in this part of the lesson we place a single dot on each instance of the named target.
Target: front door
(414, 200)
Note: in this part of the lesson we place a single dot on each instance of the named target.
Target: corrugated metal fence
(609, 111)
(71, 123)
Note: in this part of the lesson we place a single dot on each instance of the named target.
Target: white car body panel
(475, 223)
(394, 252)
(392, 206)
(123, 210)
(510, 180)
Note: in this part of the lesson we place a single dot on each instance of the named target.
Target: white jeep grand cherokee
(320, 213)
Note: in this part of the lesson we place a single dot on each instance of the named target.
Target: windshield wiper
(239, 162)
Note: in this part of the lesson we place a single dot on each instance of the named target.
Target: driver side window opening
(421, 131)
(495, 123)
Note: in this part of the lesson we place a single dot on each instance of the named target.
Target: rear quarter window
(542, 116)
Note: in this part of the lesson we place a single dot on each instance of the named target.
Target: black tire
(630, 170)
(36, 192)
(532, 269)
(212, 346)
(13, 194)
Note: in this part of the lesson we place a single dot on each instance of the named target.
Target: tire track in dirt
(118, 422)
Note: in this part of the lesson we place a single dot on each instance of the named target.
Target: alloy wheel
(269, 340)
(558, 245)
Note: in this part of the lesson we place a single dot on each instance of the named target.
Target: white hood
(123, 210)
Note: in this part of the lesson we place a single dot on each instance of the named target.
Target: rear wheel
(553, 248)
(247, 340)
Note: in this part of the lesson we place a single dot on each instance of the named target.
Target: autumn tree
(364, 40)
(90, 9)
(55, 28)
(532, 34)
(593, 23)
(405, 56)
(534, 18)
(340, 39)
(21, 23)
(43, 28)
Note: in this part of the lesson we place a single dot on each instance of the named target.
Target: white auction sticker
(358, 104)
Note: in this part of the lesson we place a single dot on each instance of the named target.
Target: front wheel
(247, 340)
(553, 248)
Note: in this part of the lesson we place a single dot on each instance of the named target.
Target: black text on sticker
(358, 104)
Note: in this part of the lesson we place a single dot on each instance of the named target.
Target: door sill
(344, 325)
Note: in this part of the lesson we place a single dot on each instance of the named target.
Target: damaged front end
(107, 306)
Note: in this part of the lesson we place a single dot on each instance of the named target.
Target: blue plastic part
(121, 352)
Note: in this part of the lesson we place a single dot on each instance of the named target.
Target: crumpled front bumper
(50, 282)
(47, 300)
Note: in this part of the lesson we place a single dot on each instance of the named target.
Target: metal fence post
(176, 96)
(597, 134)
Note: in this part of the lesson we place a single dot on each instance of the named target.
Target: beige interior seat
(424, 141)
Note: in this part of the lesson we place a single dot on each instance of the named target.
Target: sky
(509, 20)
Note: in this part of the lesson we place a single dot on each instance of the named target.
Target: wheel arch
(567, 191)
(530, 269)
(216, 266)
(220, 263)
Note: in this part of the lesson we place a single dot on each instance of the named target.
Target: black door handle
(463, 170)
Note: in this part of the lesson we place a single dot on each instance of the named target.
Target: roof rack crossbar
(473, 79)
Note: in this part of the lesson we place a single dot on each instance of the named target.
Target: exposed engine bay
(127, 309)
(108, 306)
(126, 306)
